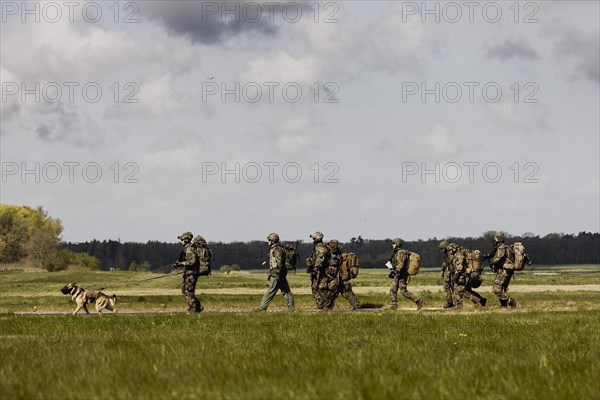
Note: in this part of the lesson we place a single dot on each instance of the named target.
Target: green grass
(14, 281)
(532, 355)
(163, 293)
(547, 349)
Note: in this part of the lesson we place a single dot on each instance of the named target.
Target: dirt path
(304, 290)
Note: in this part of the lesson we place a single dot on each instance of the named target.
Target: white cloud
(440, 143)
(283, 68)
(397, 44)
(293, 137)
(530, 118)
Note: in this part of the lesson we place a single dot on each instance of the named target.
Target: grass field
(547, 349)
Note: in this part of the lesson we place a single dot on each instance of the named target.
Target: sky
(140, 120)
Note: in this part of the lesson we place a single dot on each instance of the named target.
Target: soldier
(447, 271)
(277, 275)
(189, 261)
(399, 275)
(343, 286)
(498, 258)
(317, 265)
(464, 279)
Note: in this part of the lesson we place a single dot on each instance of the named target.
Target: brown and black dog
(82, 298)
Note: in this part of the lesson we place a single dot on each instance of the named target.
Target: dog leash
(147, 279)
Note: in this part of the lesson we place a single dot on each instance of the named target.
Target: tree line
(28, 234)
(552, 249)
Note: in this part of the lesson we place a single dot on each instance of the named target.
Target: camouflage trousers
(325, 292)
(276, 285)
(448, 286)
(500, 288)
(464, 289)
(188, 289)
(345, 289)
(399, 284)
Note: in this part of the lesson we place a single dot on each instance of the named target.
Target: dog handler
(189, 260)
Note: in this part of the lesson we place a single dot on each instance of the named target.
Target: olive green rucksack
(350, 266)
(291, 257)
(206, 257)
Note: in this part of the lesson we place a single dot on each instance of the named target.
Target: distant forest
(552, 249)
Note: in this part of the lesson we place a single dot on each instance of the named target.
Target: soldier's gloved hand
(269, 278)
(175, 265)
(392, 274)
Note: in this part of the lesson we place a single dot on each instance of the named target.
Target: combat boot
(483, 301)
(448, 305)
(393, 306)
(419, 304)
(513, 304)
(258, 309)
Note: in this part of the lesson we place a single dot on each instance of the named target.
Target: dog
(82, 298)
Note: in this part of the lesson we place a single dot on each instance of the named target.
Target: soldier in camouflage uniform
(317, 265)
(447, 272)
(464, 280)
(399, 275)
(343, 286)
(498, 258)
(189, 261)
(277, 275)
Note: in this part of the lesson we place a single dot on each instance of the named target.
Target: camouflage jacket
(447, 264)
(500, 256)
(277, 267)
(400, 259)
(188, 258)
(321, 256)
(335, 260)
(459, 261)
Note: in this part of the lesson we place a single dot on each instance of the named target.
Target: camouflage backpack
(350, 266)
(291, 257)
(474, 261)
(516, 258)
(414, 263)
(206, 256)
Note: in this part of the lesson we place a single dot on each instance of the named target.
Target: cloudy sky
(139, 120)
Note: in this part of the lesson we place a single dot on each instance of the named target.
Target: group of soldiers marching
(331, 271)
(462, 269)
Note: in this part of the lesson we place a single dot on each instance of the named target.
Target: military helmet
(499, 237)
(317, 235)
(199, 240)
(334, 242)
(443, 245)
(397, 241)
(452, 247)
(273, 237)
(185, 235)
